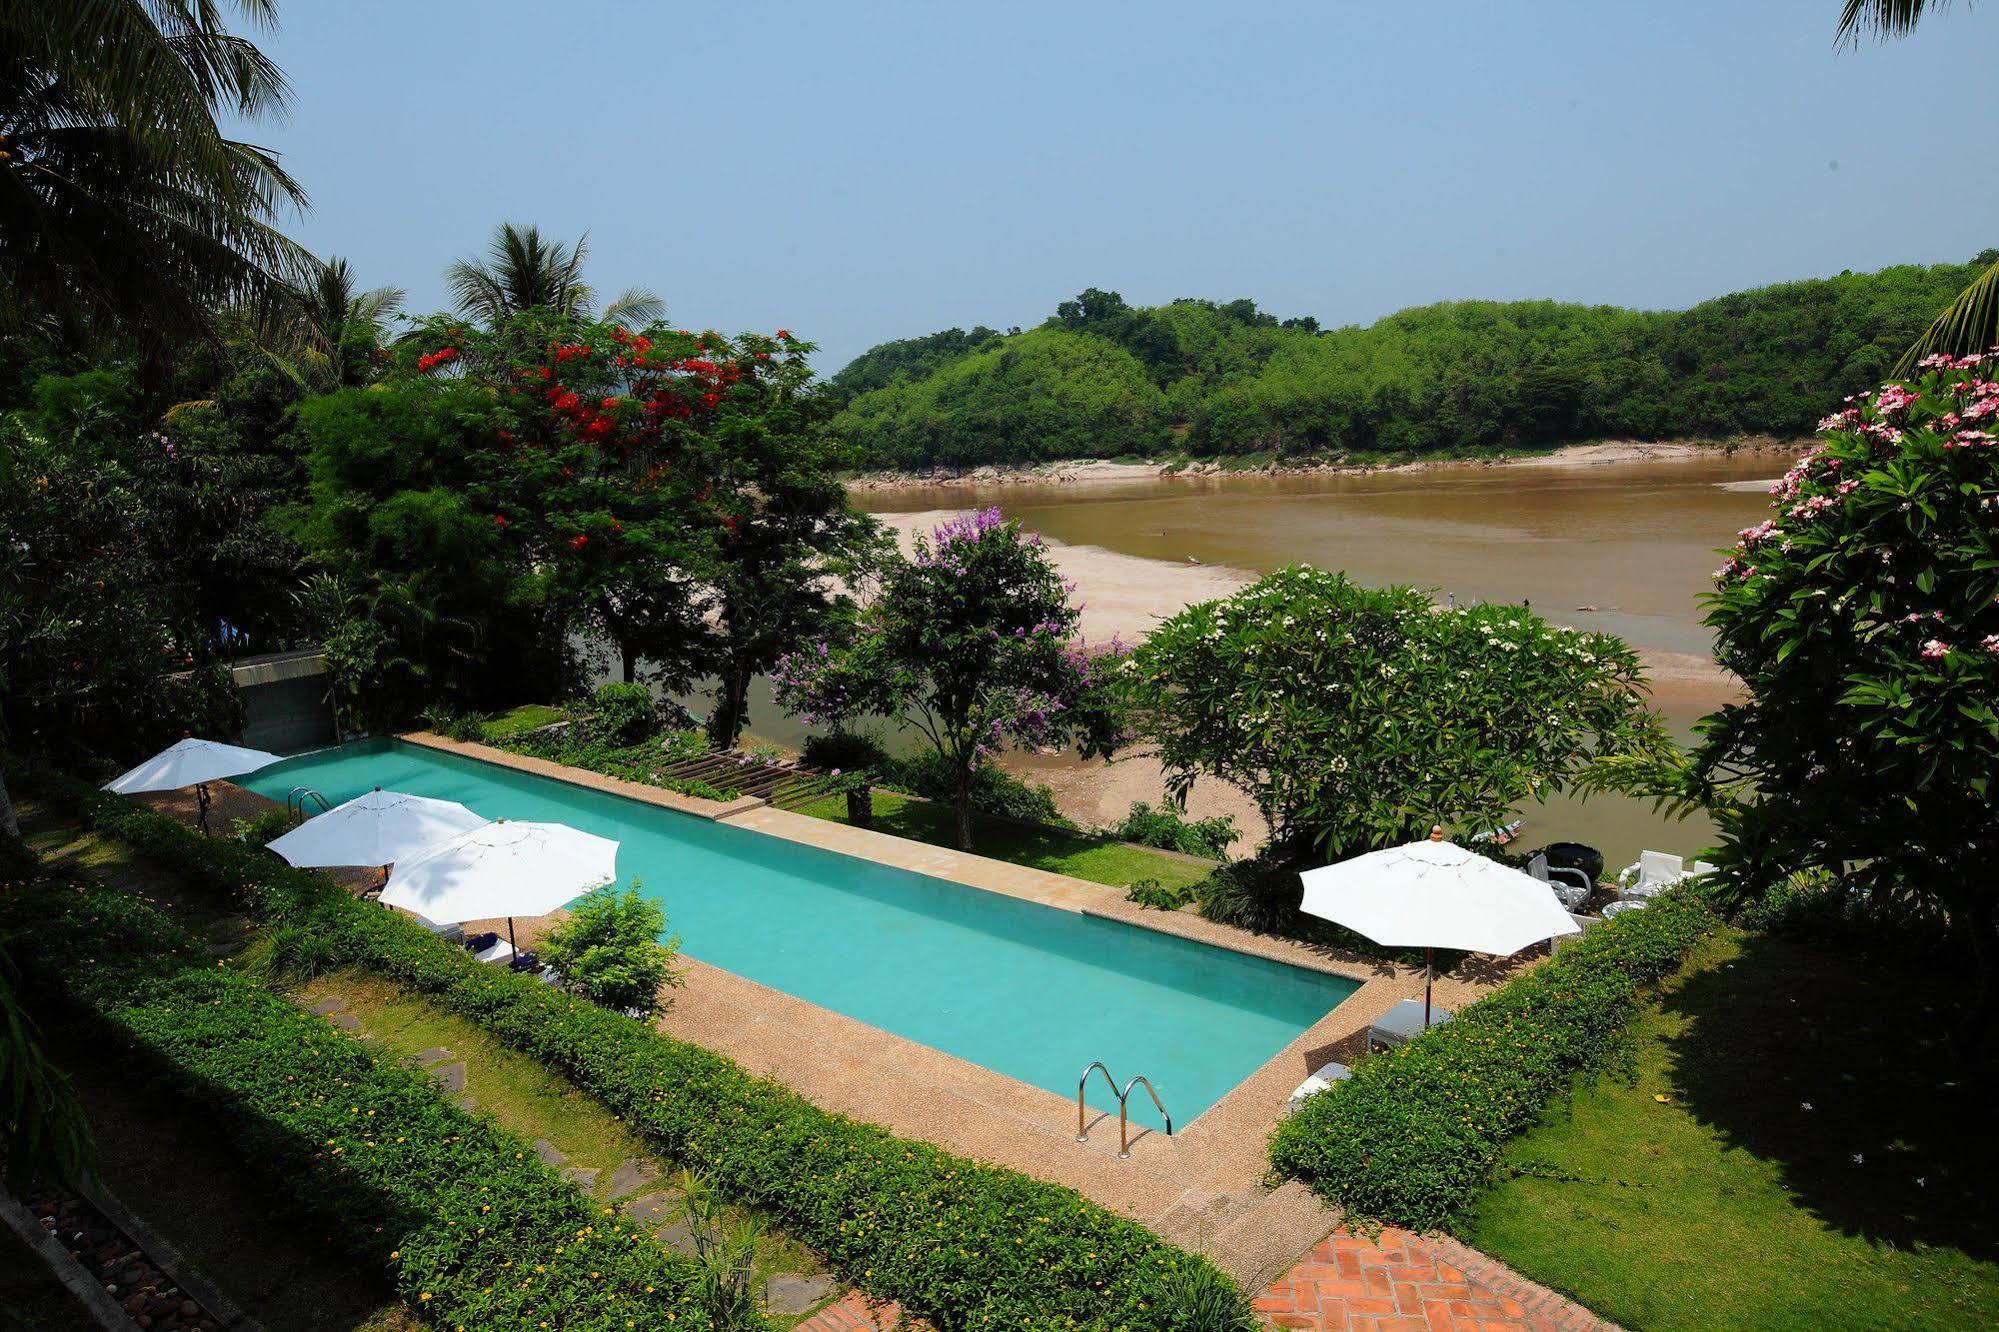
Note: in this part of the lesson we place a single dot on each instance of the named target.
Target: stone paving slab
(331, 1004)
(630, 1176)
(344, 1021)
(583, 1177)
(448, 1077)
(436, 1054)
(789, 1294)
(548, 1152)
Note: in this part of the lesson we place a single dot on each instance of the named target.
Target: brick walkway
(1412, 1283)
(855, 1314)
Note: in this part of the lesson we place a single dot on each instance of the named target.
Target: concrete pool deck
(1204, 1187)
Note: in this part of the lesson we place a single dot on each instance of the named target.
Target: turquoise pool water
(1030, 991)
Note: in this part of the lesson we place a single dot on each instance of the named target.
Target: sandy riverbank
(1127, 595)
(1097, 472)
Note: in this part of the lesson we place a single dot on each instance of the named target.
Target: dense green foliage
(476, 1231)
(1170, 830)
(969, 644)
(610, 949)
(1864, 619)
(1415, 1132)
(963, 1244)
(1295, 690)
(1103, 379)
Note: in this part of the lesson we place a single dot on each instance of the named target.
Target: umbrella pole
(1429, 972)
(510, 942)
(201, 803)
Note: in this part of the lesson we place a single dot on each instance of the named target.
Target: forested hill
(1105, 379)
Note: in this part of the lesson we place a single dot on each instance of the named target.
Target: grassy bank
(1795, 1150)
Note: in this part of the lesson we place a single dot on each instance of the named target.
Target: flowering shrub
(964, 1244)
(473, 1228)
(1357, 718)
(1863, 616)
(969, 642)
(1416, 1131)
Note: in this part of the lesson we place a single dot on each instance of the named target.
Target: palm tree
(1969, 323)
(121, 201)
(525, 271)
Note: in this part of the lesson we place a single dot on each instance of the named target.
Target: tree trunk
(628, 664)
(8, 823)
(964, 807)
(725, 724)
(861, 807)
(1973, 1031)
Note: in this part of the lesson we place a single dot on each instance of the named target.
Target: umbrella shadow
(1835, 1071)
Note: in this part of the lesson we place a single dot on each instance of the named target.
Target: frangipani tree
(973, 642)
(1357, 718)
(1864, 618)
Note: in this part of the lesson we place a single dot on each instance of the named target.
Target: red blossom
(579, 541)
(499, 520)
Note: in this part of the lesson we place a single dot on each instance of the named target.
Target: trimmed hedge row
(1415, 1133)
(476, 1231)
(965, 1244)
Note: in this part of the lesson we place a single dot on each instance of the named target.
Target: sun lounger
(1583, 923)
(1570, 886)
(499, 951)
(1318, 1082)
(453, 933)
(1404, 1022)
(1652, 874)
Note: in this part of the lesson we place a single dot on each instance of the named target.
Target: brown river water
(1625, 547)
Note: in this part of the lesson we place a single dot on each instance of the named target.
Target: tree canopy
(1103, 378)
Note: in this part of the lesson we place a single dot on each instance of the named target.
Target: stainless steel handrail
(1096, 1066)
(1124, 1143)
(296, 798)
(1123, 1097)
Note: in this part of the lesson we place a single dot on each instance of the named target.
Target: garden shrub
(1168, 829)
(1252, 895)
(1154, 894)
(625, 714)
(475, 1230)
(609, 949)
(1417, 1131)
(906, 1220)
(994, 792)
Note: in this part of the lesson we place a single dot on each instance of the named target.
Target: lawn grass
(1729, 1203)
(1077, 854)
(519, 721)
(518, 1091)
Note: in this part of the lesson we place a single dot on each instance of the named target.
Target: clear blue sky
(856, 172)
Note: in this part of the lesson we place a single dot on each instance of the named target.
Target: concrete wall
(284, 701)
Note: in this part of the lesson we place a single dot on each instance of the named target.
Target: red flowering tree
(1864, 618)
(673, 488)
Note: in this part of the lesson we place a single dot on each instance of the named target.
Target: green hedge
(965, 1244)
(475, 1231)
(1417, 1131)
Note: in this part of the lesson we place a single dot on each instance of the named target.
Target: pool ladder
(1123, 1097)
(295, 803)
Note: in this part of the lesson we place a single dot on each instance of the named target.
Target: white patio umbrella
(190, 762)
(506, 868)
(379, 828)
(1435, 894)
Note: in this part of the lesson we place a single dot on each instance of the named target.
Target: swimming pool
(1030, 991)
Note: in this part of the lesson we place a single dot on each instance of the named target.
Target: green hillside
(1102, 378)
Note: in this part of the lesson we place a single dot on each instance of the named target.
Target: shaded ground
(31, 1299)
(1078, 855)
(1818, 1159)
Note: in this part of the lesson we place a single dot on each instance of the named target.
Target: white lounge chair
(1318, 1082)
(1570, 886)
(1583, 923)
(1404, 1022)
(499, 951)
(1654, 873)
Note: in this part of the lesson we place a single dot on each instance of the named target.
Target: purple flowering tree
(1864, 618)
(973, 642)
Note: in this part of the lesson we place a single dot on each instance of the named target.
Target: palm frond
(1882, 20)
(1968, 325)
(635, 306)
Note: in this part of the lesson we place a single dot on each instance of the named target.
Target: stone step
(449, 1077)
(548, 1153)
(333, 1003)
(436, 1054)
(630, 1176)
